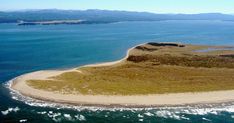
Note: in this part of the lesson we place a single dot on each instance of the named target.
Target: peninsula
(151, 74)
(58, 22)
(54, 22)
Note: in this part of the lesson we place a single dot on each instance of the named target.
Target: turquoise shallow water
(29, 48)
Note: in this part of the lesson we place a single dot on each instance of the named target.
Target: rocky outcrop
(166, 44)
(143, 48)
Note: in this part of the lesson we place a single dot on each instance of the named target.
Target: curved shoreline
(171, 99)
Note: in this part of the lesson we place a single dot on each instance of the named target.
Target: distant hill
(102, 16)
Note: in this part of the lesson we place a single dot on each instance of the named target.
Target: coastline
(170, 99)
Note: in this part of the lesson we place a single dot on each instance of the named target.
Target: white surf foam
(167, 112)
(80, 117)
(23, 120)
(9, 110)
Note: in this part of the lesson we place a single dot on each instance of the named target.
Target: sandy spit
(19, 84)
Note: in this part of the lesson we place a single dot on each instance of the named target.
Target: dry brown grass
(180, 71)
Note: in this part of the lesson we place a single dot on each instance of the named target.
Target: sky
(155, 6)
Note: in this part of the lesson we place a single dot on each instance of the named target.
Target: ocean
(25, 49)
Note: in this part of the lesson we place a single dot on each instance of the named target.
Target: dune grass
(130, 79)
(167, 74)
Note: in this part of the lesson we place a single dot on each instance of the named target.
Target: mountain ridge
(97, 15)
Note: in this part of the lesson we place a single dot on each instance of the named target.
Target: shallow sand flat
(136, 100)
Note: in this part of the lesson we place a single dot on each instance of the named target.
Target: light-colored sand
(20, 85)
(111, 63)
(137, 100)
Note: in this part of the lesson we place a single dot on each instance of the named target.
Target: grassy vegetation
(187, 61)
(180, 71)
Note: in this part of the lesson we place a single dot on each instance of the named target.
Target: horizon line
(17, 10)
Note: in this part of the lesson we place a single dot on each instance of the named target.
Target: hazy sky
(156, 6)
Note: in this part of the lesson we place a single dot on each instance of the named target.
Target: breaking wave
(174, 112)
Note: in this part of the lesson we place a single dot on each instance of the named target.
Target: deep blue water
(29, 48)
